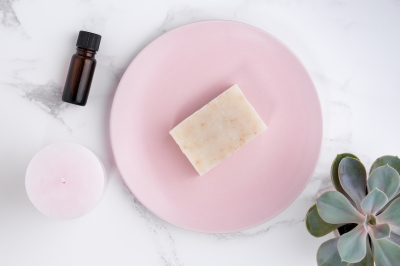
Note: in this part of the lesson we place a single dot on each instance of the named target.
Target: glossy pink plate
(177, 74)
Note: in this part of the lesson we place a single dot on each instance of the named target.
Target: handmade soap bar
(218, 129)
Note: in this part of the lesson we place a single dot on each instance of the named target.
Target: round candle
(65, 180)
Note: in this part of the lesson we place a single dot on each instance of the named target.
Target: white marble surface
(350, 48)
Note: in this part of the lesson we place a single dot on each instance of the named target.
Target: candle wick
(63, 180)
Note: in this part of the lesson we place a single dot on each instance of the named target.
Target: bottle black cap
(88, 40)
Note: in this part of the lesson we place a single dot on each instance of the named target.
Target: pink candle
(65, 180)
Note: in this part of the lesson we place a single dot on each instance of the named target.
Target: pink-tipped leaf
(335, 208)
(386, 252)
(353, 179)
(352, 245)
(391, 215)
(374, 201)
(380, 231)
(386, 179)
(328, 254)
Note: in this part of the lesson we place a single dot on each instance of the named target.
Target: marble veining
(349, 48)
(284, 223)
(46, 96)
(9, 17)
(159, 231)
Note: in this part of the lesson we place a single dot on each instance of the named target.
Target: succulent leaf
(391, 215)
(352, 245)
(374, 201)
(380, 231)
(335, 172)
(368, 259)
(365, 223)
(393, 161)
(316, 226)
(386, 252)
(353, 179)
(335, 208)
(395, 238)
(390, 201)
(385, 178)
(390, 160)
(395, 229)
(328, 254)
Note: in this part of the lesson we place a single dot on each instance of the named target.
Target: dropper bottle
(81, 69)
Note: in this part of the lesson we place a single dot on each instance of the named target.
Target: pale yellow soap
(218, 129)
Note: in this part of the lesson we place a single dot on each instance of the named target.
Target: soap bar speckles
(218, 129)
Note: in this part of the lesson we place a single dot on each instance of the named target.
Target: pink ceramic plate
(180, 72)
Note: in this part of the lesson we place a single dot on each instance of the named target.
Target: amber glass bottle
(81, 69)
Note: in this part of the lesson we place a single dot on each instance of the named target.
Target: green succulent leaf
(353, 179)
(395, 229)
(374, 201)
(391, 201)
(386, 178)
(395, 238)
(328, 254)
(352, 245)
(316, 226)
(380, 231)
(335, 208)
(391, 215)
(390, 160)
(368, 259)
(386, 252)
(335, 172)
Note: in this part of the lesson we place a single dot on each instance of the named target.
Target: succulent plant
(372, 203)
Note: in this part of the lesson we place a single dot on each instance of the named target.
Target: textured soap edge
(191, 162)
